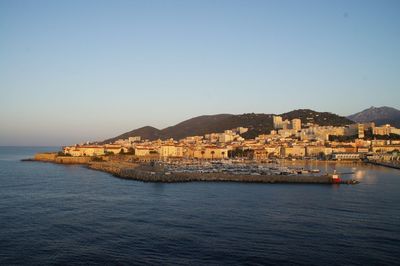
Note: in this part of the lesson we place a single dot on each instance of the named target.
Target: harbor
(198, 170)
(234, 168)
(156, 173)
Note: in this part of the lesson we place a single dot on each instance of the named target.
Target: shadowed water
(57, 214)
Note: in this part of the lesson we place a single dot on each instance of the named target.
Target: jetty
(147, 175)
(125, 167)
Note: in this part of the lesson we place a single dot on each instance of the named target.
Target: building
(344, 149)
(115, 149)
(211, 152)
(362, 150)
(170, 150)
(192, 139)
(240, 130)
(294, 151)
(296, 124)
(144, 150)
(394, 130)
(85, 150)
(318, 150)
(273, 151)
(351, 130)
(259, 154)
(277, 120)
(360, 131)
(134, 139)
(346, 156)
(385, 148)
(213, 137)
(285, 133)
(379, 142)
(122, 142)
(225, 137)
(382, 130)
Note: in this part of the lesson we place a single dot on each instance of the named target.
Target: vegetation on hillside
(257, 124)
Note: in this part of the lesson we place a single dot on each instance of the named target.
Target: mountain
(379, 115)
(257, 124)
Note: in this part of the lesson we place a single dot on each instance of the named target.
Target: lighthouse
(335, 178)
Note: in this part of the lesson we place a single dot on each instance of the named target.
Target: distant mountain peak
(379, 115)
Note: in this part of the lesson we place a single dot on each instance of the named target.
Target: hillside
(145, 132)
(257, 124)
(320, 118)
(379, 115)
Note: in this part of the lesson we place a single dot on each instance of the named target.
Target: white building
(296, 124)
(277, 120)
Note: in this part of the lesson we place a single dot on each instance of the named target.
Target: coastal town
(290, 139)
(228, 156)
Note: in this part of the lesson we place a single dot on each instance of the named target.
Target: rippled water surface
(56, 214)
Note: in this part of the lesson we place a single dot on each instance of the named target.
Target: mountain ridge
(257, 123)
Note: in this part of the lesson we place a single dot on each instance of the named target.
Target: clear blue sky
(72, 71)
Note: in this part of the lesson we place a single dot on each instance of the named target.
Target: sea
(69, 215)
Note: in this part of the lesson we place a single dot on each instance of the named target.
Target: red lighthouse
(335, 178)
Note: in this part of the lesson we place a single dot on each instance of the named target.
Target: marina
(235, 168)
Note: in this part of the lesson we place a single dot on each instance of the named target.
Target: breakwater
(395, 165)
(123, 168)
(136, 173)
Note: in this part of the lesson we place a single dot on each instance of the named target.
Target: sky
(72, 71)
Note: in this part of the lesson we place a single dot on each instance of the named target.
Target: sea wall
(136, 173)
(45, 156)
(72, 160)
(53, 157)
(120, 158)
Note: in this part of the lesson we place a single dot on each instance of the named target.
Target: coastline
(125, 169)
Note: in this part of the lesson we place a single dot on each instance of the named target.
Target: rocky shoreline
(147, 173)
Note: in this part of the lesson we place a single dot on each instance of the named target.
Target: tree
(97, 159)
(202, 155)
(223, 154)
(131, 151)
(212, 155)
